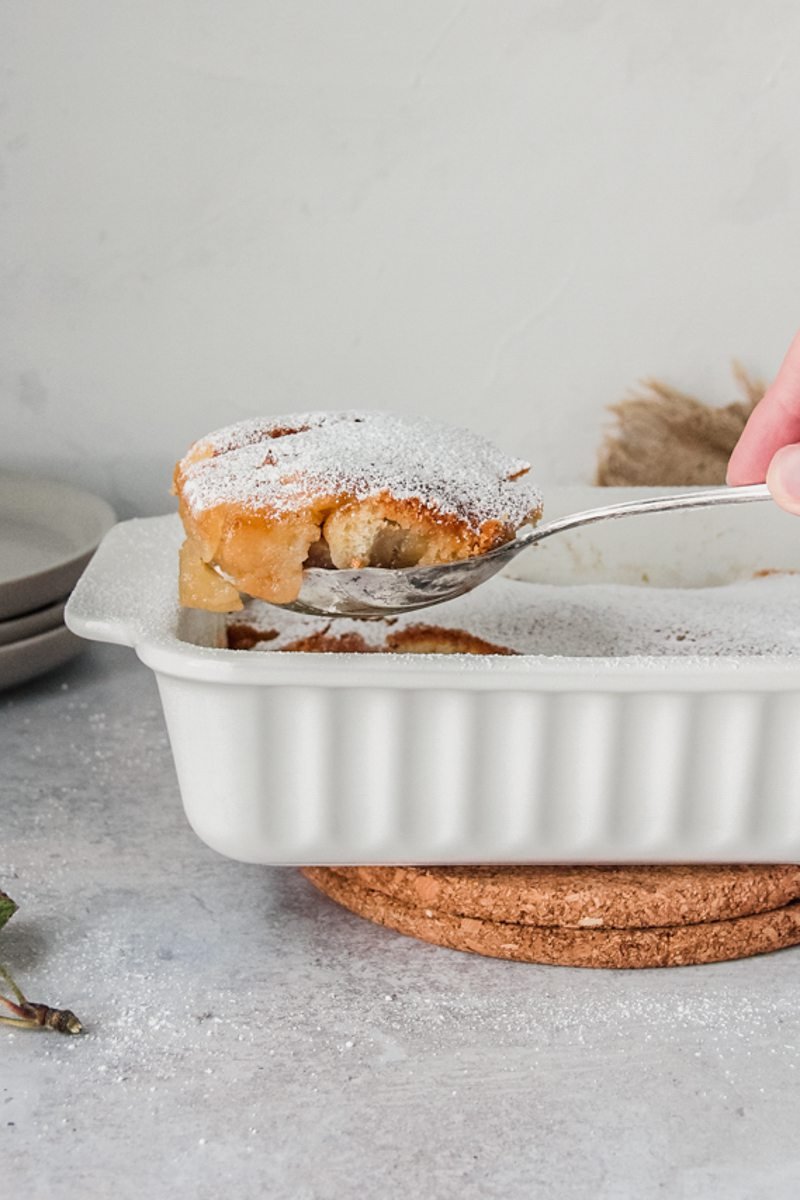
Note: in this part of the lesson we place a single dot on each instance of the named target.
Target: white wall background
(498, 213)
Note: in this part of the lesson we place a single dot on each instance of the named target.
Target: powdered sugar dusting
(752, 617)
(276, 463)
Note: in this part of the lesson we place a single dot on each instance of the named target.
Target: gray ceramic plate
(17, 628)
(48, 533)
(33, 656)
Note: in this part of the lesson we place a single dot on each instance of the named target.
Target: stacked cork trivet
(654, 916)
(580, 916)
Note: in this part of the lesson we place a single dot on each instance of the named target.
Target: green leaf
(7, 908)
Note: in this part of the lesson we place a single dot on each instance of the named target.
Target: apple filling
(267, 559)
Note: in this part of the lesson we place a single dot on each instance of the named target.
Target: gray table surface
(246, 1037)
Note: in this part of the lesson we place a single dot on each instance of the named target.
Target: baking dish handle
(129, 589)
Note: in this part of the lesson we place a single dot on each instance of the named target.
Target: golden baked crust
(261, 499)
(414, 639)
(433, 639)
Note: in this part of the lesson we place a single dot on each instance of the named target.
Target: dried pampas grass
(664, 437)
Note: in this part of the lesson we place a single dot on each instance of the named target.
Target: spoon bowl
(380, 591)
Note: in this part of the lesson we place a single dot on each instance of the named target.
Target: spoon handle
(703, 498)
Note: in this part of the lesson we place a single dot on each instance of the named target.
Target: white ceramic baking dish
(311, 758)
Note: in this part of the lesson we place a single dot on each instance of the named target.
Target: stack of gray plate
(48, 532)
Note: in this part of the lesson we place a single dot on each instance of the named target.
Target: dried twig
(28, 1014)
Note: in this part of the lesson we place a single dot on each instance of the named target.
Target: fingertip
(783, 478)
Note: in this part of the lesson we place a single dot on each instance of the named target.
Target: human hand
(769, 448)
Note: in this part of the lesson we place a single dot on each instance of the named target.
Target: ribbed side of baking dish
(305, 758)
(373, 774)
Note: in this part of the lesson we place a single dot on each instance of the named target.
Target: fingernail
(783, 478)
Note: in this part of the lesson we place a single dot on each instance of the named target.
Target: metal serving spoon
(380, 591)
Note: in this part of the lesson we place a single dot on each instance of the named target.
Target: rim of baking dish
(111, 603)
(460, 672)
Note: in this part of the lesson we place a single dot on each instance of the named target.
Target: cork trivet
(590, 897)
(658, 946)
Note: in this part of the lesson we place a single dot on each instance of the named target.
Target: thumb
(783, 478)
